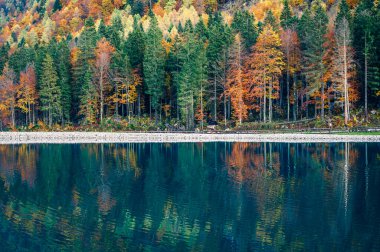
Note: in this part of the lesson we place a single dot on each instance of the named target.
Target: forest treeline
(189, 64)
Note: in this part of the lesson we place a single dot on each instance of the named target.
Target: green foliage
(191, 76)
(270, 19)
(313, 31)
(154, 60)
(50, 92)
(3, 56)
(86, 44)
(287, 19)
(244, 23)
(135, 45)
(20, 59)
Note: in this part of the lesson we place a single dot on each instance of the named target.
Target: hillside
(187, 62)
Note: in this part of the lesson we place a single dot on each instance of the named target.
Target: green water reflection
(190, 197)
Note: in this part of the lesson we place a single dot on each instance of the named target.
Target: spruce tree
(313, 40)
(244, 23)
(154, 63)
(86, 44)
(135, 44)
(88, 100)
(3, 55)
(287, 20)
(63, 70)
(219, 40)
(270, 19)
(191, 77)
(50, 93)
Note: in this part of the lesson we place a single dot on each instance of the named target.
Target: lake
(190, 197)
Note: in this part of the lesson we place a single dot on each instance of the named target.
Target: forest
(167, 64)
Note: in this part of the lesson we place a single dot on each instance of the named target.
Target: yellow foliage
(261, 8)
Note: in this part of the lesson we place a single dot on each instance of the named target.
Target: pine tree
(287, 19)
(271, 20)
(154, 61)
(86, 44)
(244, 23)
(219, 40)
(60, 53)
(3, 55)
(89, 102)
(191, 77)
(135, 45)
(313, 40)
(50, 92)
(201, 30)
(364, 42)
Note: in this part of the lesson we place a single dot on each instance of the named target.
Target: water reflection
(190, 197)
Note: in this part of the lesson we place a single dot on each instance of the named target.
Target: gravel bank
(97, 137)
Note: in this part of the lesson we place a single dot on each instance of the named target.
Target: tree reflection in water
(191, 196)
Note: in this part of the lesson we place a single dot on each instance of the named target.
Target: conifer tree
(154, 61)
(244, 23)
(191, 77)
(313, 40)
(135, 45)
(364, 41)
(287, 19)
(219, 40)
(86, 44)
(89, 102)
(50, 92)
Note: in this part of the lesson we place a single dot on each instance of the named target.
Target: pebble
(97, 137)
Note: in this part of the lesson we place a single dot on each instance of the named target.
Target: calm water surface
(190, 197)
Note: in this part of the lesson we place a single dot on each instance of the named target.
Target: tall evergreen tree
(313, 40)
(50, 92)
(271, 20)
(287, 19)
(244, 23)
(364, 26)
(191, 77)
(154, 63)
(86, 45)
(3, 55)
(219, 40)
(135, 44)
(63, 70)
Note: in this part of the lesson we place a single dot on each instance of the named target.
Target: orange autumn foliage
(236, 84)
(263, 68)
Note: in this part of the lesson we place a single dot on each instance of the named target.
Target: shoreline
(150, 137)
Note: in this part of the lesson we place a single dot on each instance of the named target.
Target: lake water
(190, 197)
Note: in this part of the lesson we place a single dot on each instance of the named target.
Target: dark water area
(190, 197)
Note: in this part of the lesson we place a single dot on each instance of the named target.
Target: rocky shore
(98, 137)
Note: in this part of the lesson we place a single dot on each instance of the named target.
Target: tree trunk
(13, 115)
(323, 100)
(288, 89)
(215, 115)
(365, 79)
(270, 100)
(101, 97)
(265, 101)
(295, 99)
(346, 100)
(201, 106)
